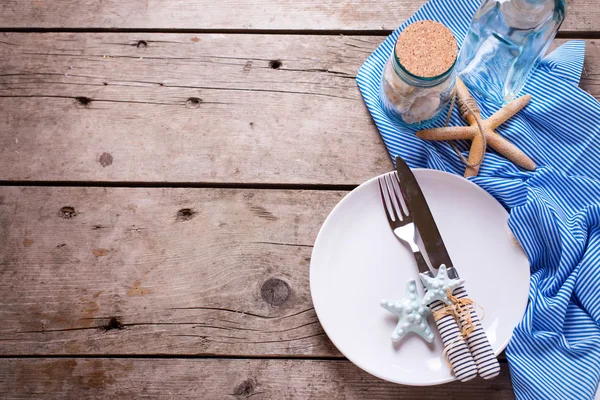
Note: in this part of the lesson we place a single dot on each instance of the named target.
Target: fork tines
(391, 195)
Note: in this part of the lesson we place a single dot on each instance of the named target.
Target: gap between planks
(191, 185)
(501, 358)
(294, 32)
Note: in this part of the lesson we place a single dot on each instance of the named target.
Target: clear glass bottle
(505, 41)
(418, 79)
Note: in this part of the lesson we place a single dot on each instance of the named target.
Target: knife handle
(459, 356)
(487, 363)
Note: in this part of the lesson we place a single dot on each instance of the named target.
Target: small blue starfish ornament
(437, 288)
(412, 314)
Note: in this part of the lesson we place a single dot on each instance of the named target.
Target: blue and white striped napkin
(554, 211)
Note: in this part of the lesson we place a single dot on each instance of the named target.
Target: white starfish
(412, 314)
(437, 288)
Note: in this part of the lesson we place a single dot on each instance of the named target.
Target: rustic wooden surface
(177, 271)
(186, 108)
(226, 137)
(221, 379)
(582, 15)
(192, 108)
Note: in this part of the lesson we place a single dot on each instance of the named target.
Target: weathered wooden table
(165, 167)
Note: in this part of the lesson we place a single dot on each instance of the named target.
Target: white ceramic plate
(357, 261)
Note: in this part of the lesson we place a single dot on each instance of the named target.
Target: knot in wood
(275, 64)
(82, 101)
(105, 159)
(193, 102)
(113, 323)
(245, 389)
(67, 212)
(185, 214)
(275, 291)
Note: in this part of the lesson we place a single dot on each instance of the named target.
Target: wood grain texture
(186, 108)
(251, 109)
(220, 379)
(582, 15)
(159, 271)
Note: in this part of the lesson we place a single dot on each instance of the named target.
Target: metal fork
(404, 228)
(400, 220)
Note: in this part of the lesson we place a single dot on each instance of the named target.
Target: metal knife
(479, 345)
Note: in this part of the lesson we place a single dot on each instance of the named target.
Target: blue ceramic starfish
(412, 314)
(437, 288)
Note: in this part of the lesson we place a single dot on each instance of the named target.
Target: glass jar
(506, 39)
(416, 92)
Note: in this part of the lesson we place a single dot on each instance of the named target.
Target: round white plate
(357, 261)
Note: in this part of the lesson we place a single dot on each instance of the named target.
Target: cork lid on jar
(426, 49)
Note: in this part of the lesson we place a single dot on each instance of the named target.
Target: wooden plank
(582, 15)
(221, 379)
(159, 271)
(186, 108)
(191, 108)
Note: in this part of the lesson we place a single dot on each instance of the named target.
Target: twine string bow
(460, 310)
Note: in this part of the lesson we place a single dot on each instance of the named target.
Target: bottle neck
(419, 81)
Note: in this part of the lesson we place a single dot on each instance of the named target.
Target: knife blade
(417, 206)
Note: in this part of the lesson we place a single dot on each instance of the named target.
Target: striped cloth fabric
(554, 212)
